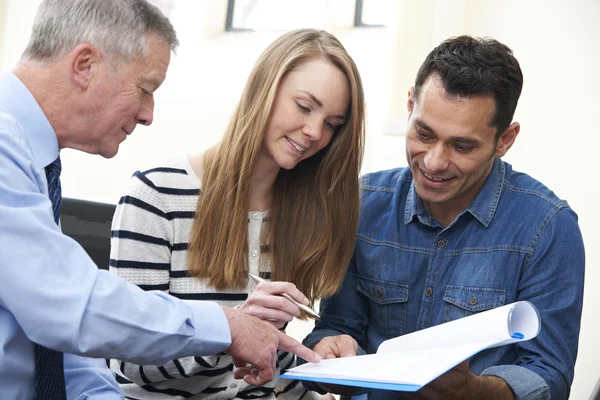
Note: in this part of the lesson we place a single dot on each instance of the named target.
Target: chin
(287, 163)
(109, 152)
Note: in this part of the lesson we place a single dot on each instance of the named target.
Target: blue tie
(49, 372)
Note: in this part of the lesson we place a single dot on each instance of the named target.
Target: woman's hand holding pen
(266, 303)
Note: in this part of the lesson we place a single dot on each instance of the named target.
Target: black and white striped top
(149, 240)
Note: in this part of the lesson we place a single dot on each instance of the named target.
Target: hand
(336, 347)
(461, 383)
(254, 345)
(265, 303)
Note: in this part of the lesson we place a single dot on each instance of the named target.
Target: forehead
(152, 67)
(322, 79)
(455, 115)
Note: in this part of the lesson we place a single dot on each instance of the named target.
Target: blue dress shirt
(515, 241)
(51, 292)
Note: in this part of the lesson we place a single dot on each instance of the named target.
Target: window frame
(358, 22)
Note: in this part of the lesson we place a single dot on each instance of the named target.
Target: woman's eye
(302, 108)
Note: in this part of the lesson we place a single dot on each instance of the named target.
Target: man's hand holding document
(409, 362)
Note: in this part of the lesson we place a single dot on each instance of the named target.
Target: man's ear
(410, 104)
(506, 139)
(84, 62)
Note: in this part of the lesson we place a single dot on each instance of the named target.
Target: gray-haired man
(84, 82)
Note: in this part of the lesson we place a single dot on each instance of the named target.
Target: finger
(337, 346)
(285, 287)
(330, 353)
(259, 377)
(277, 324)
(346, 344)
(254, 379)
(240, 373)
(238, 362)
(324, 349)
(288, 344)
(271, 306)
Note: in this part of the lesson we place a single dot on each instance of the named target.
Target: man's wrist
(493, 387)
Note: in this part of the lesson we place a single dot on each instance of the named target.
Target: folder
(409, 362)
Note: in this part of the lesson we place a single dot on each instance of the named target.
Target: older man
(84, 82)
(459, 232)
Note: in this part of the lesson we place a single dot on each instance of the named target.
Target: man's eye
(423, 135)
(462, 149)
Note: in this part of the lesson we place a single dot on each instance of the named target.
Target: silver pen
(301, 306)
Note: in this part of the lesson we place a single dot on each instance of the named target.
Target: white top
(150, 234)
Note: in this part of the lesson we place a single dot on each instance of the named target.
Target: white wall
(557, 43)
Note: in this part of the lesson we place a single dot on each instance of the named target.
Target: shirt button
(254, 253)
(428, 292)
(441, 243)
(255, 215)
(378, 292)
(473, 300)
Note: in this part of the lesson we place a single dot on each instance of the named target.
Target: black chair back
(88, 222)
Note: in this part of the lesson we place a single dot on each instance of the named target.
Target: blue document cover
(407, 363)
(362, 384)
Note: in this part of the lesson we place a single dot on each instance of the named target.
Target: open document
(409, 362)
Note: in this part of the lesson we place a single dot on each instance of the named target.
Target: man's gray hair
(116, 27)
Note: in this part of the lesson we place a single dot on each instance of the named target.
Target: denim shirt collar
(482, 207)
(20, 103)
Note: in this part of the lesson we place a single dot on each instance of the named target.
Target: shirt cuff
(211, 327)
(525, 384)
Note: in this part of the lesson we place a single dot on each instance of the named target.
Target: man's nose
(436, 158)
(146, 114)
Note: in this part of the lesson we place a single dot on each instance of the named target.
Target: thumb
(291, 345)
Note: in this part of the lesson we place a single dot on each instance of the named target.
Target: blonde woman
(278, 197)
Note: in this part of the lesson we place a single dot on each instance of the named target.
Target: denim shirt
(516, 241)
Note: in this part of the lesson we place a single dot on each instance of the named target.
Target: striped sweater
(149, 241)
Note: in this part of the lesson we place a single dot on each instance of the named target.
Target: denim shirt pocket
(387, 304)
(462, 301)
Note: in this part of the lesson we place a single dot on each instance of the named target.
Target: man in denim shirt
(460, 232)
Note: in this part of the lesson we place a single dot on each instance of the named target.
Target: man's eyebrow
(455, 139)
(465, 140)
(424, 126)
(320, 104)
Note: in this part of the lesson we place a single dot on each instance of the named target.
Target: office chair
(88, 223)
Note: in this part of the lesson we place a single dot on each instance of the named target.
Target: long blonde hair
(314, 210)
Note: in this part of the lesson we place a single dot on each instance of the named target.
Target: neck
(445, 214)
(261, 184)
(46, 84)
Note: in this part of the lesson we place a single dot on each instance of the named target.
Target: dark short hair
(468, 66)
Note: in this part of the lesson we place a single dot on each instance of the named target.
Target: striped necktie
(49, 371)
